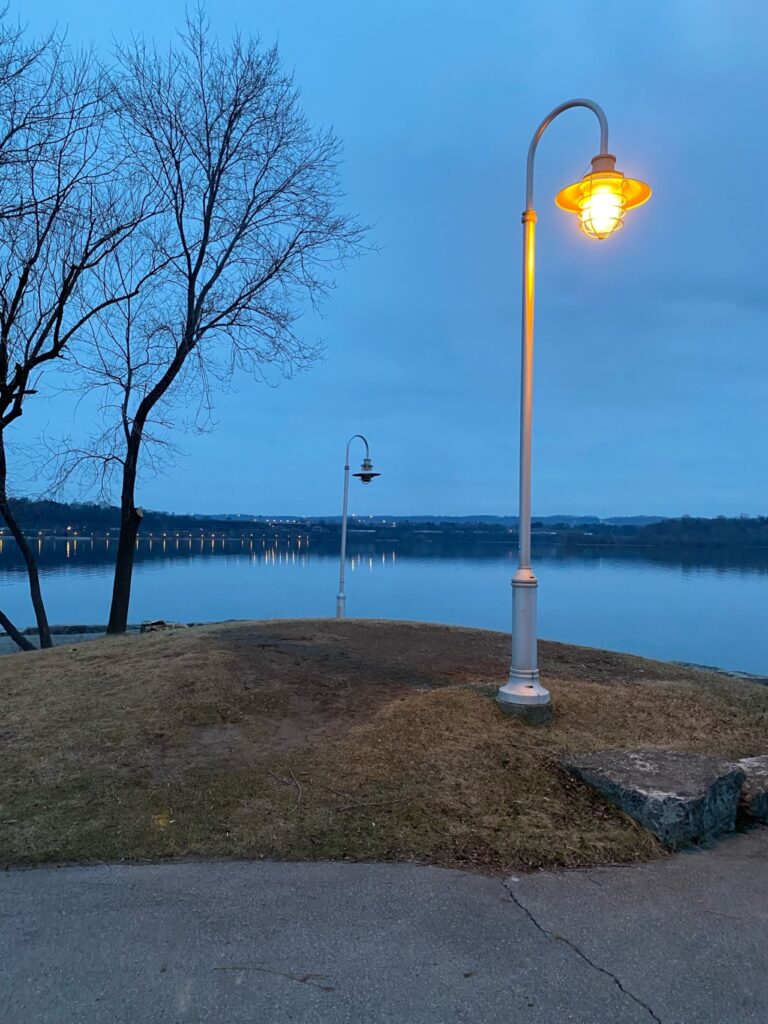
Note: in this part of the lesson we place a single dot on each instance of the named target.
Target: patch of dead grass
(322, 739)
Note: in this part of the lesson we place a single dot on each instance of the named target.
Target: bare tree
(250, 229)
(61, 217)
(120, 356)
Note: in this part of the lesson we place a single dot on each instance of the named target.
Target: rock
(156, 625)
(682, 798)
(754, 794)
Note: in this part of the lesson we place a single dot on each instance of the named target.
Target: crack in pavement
(580, 952)
(729, 917)
(304, 979)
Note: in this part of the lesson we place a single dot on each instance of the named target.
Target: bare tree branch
(67, 205)
(246, 228)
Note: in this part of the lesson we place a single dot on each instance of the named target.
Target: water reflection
(660, 602)
(97, 553)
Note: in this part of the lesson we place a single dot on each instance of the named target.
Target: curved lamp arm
(349, 442)
(598, 112)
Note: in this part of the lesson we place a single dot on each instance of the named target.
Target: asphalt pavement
(679, 941)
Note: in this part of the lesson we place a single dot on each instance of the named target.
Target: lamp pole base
(530, 714)
(525, 697)
(341, 602)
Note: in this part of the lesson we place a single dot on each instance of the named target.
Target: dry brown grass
(324, 739)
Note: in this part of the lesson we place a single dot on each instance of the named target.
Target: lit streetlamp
(365, 476)
(600, 200)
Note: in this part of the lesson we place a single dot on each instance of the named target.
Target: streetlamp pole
(523, 694)
(366, 474)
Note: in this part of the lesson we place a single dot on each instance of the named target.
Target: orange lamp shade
(602, 197)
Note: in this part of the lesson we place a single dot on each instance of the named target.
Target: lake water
(703, 608)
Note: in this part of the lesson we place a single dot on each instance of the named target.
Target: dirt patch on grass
(325, 739)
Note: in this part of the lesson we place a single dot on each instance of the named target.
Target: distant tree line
(686, 531)
(50, 516)
(47, 515)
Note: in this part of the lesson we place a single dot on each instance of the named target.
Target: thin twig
(373, 803)
(293, 781)
(336, 792)
(298, 786)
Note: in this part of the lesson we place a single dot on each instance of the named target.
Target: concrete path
(682, 941)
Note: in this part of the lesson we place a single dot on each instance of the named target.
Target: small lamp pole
(600, 200)
(365, 475)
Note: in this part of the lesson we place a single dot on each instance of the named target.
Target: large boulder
(754, 795)
(682, 798)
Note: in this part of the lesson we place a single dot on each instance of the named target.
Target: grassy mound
(318, 739)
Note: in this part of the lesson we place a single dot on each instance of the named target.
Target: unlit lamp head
(366, 473)
(602, 197)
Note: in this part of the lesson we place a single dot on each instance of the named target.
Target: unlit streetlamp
(600, 200)
(365, 476)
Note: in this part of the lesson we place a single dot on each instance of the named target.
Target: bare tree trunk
(35, 591)
(15, 635)
(130, 521)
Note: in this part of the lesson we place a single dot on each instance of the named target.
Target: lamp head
(366, 473)
(602, 197)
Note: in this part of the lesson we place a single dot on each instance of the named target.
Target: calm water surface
(699, 608)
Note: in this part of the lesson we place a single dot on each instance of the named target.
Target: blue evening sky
(651, 349)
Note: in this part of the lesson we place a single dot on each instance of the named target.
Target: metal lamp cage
(602, 205)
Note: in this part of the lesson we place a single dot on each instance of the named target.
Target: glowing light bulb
(602, 210)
